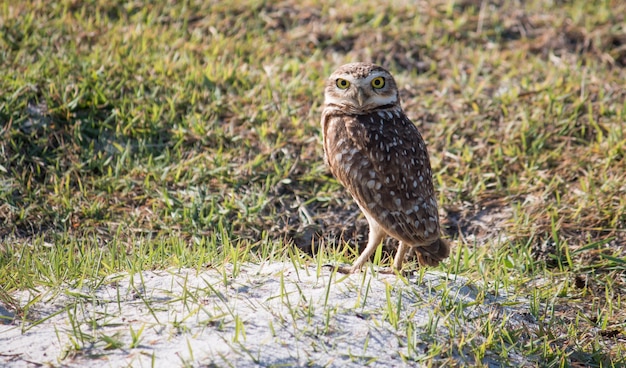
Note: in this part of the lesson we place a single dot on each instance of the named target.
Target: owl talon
(394, 271)
(341, 269)
(387, 271)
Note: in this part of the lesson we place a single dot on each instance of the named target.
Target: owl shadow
(476, 223)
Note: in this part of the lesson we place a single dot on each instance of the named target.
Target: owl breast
(382, 160)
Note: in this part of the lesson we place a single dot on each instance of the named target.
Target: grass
(140, 136)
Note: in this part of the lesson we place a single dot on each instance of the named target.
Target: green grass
(142, 136)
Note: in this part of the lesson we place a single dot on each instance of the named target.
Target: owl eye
(378, 82)
(342, 83)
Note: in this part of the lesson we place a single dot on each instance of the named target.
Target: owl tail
(434, 253)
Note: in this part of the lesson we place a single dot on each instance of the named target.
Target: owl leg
(400, 254)
(403, 248)
(376, 236)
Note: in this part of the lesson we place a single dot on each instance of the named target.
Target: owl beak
(360, 96)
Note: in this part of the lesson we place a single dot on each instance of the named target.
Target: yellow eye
(378, 82)
(342, 83)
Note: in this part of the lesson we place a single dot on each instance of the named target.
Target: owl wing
(389, 175)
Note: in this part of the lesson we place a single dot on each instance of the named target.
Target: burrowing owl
(378, 154)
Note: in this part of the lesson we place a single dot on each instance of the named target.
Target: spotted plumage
(378, 154)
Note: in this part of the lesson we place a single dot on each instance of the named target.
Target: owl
(379, 156)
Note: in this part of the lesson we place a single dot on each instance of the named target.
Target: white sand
(269, 315)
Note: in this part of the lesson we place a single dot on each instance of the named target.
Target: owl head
(360, 88)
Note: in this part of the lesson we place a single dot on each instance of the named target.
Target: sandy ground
(268, 315)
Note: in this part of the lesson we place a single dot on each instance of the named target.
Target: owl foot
(387, 271)
(394, 271)
(342, 269)
(350, 270)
